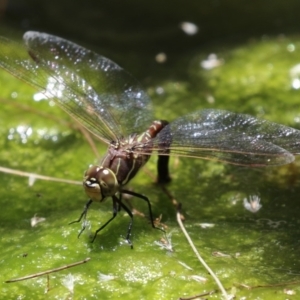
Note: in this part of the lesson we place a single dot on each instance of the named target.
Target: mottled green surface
(262, 249)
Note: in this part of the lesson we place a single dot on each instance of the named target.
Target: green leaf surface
(244, 249)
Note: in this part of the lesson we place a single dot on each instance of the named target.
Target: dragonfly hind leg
(121, 204)
(149, 206)
(163, 175)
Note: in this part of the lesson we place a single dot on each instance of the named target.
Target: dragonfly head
(100, 183)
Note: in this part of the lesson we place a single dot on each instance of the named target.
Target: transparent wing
(91, 88)
(234, 138)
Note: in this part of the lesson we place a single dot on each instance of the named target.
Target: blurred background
(134, 32)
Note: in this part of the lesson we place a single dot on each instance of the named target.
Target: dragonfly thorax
(99, 183)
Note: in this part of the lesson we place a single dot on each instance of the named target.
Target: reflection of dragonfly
(111, 105)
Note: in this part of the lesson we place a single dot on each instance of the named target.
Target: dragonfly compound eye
(99, 183)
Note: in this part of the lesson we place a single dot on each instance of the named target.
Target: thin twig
(198, 296)
(268, 285)
(210, 271)
(48, 271)
(42, 177)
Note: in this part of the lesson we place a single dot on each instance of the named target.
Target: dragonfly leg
(163, 175)
(115, 211)
(149, 206)
(83, 214)
(119, 201)
(121, 204)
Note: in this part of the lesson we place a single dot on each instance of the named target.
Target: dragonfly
(113, 106)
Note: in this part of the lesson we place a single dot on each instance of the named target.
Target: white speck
(105, 172)
(87, 226)
(220, 254)
(160, 90)
(54, 138)
(289, 292)
(166, 243)
(68, 282)
(210, 99)
(291, 47)
(207, 225)
(198, 278)
(29, 131)
(39, 96)
(51, 103)
(295, 76)
(31, 180)
(35, 220)
(211, 62)
(21, 132)
(14, 95)
(41, 132)
(24, 129)
(189, 28)
(296, 83)
(295, 70)
(65, 233)
(253, 205)
(161, 57)
(103, 277)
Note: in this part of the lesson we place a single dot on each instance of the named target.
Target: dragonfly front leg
(83, 214)
(115, 212)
